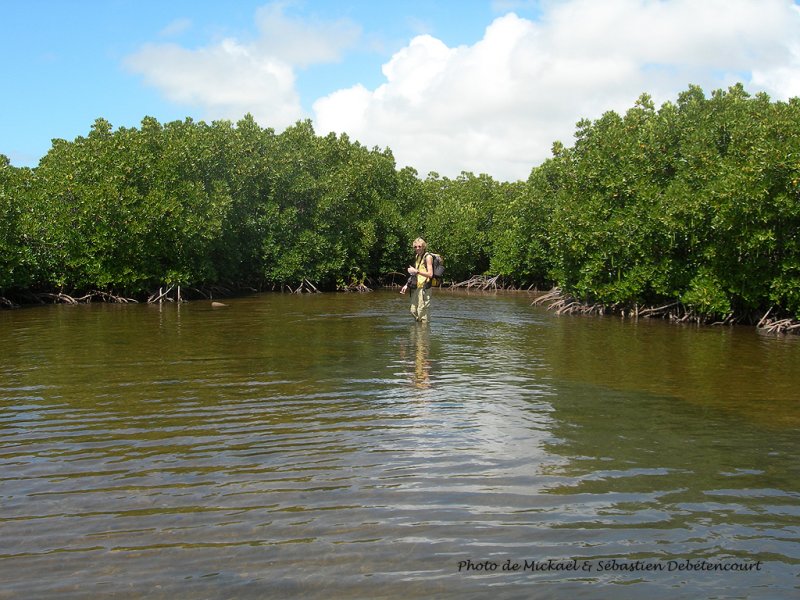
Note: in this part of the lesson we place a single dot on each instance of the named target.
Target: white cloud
(176, 27)
(498, 105)
(230, 78)
(302, 42)
(227, 80)
(495, 106)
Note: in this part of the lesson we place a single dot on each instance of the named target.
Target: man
(420, 281)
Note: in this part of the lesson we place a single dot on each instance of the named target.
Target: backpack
(438, 269)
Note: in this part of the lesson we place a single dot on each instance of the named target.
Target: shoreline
(553, 300)
(675, 312)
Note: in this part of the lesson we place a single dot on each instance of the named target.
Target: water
(325, 446)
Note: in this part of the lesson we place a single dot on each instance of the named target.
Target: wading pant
(420, 302)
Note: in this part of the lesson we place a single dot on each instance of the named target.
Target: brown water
(325, 446)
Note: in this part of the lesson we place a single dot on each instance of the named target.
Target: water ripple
(237, 462)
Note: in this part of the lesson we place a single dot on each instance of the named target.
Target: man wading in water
(420, 281)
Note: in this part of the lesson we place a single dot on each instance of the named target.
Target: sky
(484, 86)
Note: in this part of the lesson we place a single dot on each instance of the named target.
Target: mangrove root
(355, 286)
(391, 279)
(480, 282)
(305, 287)
(161, 296)
(661, 310)
(60, 297)
(675, 312)
(568, 305)
(780, 325)
(106, 297)
(63, 298)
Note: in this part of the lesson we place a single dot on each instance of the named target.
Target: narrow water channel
(328, 446)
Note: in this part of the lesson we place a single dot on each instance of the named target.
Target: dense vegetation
(697, 203)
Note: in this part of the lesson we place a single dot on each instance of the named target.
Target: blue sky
(477, 85)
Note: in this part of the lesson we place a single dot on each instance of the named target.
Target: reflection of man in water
(422, 366)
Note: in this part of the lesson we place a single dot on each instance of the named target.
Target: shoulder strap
(421, 261)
